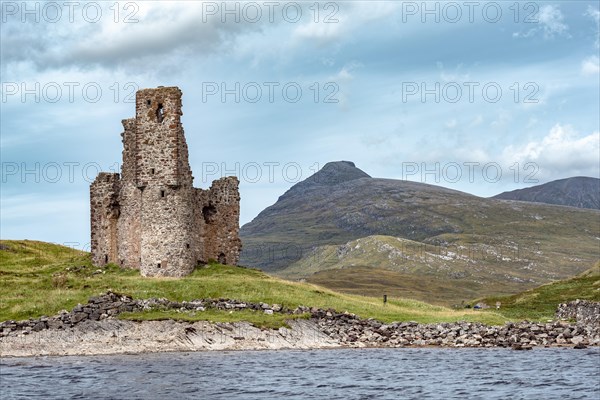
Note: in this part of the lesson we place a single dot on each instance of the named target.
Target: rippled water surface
(328, 374)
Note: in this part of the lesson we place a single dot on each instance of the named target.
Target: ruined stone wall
(220, 207)
(160, 145)
(154, 219)
(129, 138)
(199, 232)
(104, 214)
(129, 226)
(164, 177)
(130, 200)
(582, 311)
(166, 245)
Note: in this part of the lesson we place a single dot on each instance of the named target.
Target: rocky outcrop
(582, 311)
(111, 304)
(352, 331)
(114, 336)
(95, 330)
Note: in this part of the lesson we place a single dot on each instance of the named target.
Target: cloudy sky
(481, 97)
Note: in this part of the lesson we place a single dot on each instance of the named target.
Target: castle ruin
(150, 217)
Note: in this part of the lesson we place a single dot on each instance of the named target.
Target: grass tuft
(257, 318)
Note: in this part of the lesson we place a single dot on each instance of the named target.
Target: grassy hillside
(41, 279)
(444, 275)
(540, 303)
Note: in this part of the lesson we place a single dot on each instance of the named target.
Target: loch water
(554, 373)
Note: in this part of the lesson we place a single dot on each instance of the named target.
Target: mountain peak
(331, 174)
(335, 172)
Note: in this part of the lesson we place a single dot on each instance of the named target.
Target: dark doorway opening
(159, 114)
(209, 213)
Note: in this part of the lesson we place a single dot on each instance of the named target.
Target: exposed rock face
(94, 322)
(582, 311)
(113, 336)
(580, 191)
(151, 217)
(331, 174)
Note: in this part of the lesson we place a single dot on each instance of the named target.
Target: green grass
(41, 279)
(459, 272)
(256, 318)
(540, 304)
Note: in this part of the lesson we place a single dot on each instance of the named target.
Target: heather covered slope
(540, 303)
(580, 191)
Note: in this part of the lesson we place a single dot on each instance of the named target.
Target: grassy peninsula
(41, 279)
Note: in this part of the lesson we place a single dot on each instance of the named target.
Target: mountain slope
(326, 210)
(541, 302)
(543, 242)
(580, 191)
(315, 214)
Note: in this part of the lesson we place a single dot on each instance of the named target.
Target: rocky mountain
(579, 191)
(349, 231)
(339, 203)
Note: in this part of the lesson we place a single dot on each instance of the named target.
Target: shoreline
(95, 329)
(113, 336)
(122, 337)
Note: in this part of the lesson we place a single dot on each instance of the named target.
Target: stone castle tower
(150, 217)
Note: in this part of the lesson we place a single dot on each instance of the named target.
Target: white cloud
(594, 13)
(562, 152)
(321, 32)
(332, 21)
(345, 74)
(550, 23)
(504, 117)
(551, 19)
(591, 66)
(478, 120)
(342, 79)
(162, 31)
(453, 76)
(451, 124)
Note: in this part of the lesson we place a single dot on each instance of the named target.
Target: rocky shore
(93, 329)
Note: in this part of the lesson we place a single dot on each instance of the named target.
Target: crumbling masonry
(151, 217)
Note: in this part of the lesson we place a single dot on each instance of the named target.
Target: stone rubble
(349, 330)
(584, 311)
